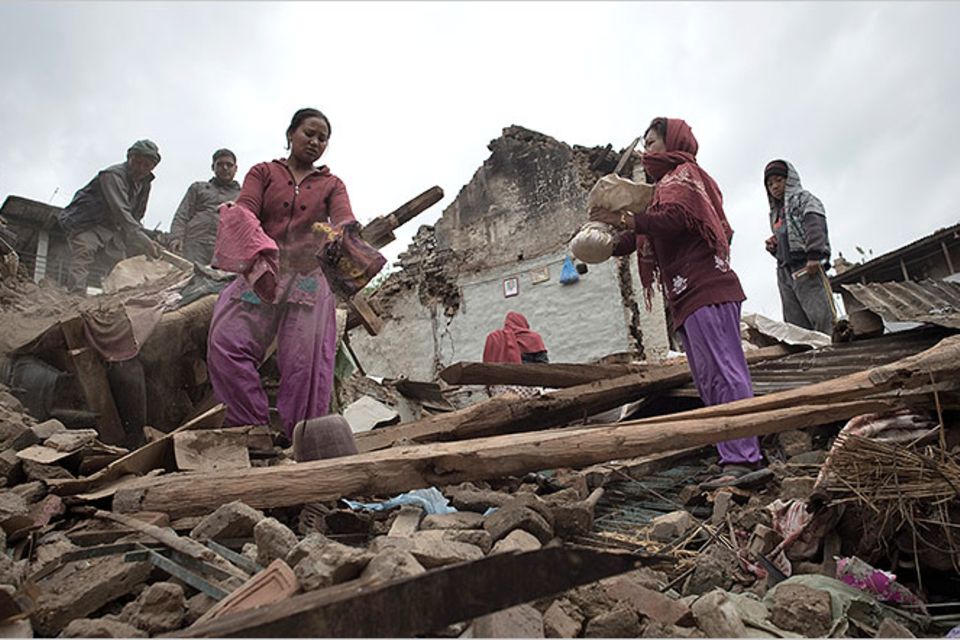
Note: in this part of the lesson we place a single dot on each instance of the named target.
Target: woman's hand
(812, 267)
(617, 219)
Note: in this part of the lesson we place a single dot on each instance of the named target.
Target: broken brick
(232, 520)
(506, 519)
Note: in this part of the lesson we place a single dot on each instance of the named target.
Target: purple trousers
(711, 338)
(241, 331)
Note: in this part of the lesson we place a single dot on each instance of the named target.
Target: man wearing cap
(193, 232)
(104, 216)
(802, 248)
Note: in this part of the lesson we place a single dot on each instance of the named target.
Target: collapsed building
(579, 511)
(500, 246)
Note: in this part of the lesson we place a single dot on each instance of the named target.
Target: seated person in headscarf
(802, 249)
(515, 343)
(104, 217)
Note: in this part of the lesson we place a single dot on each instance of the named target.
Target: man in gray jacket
(802, 248)
(193, 232)
(104, 217)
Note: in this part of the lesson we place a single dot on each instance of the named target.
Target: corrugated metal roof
(933, 301)
(39, 213)
(827, 363)
(948, 234)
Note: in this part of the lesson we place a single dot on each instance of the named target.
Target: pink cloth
(244, 247)
(505, 345)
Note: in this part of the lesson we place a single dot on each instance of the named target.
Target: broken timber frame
(506, 414)
(405, 468)
(423, 604)
(560, 375)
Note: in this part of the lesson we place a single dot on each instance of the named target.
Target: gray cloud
(858, 95)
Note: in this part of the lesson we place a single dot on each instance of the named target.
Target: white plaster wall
(405, 346)
(579, 322)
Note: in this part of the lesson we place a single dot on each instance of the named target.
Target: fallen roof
(933, 301)
(39, 213)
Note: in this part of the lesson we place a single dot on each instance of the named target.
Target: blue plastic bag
(568, 274)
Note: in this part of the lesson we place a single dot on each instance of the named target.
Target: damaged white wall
(579, 322)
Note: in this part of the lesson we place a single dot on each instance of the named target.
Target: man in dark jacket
(802, 249)
(105, 216)
(193, 232)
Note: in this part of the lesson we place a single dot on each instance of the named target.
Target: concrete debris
(392, 564)
(517, 622)
(101, 628)
(232, 520)
(517, 540)
(504, 520)
(319, 562)
(159, 608)
(274, 540)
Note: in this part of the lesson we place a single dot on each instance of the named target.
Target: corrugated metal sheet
(933, 301)
(826, 363)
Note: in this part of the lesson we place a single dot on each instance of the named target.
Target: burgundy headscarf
(506, 345)
(683, 189)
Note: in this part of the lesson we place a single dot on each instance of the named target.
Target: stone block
(436, 551)
(274, 540)
(504, 520)
(71, 439)
(101, 628)
(670, 526)
(476, 537)
(795, 442)
(763, 540)
(722, 501)
(159, 608)
(392, 564)
(476, 500)
(11, 467)
(81, 588)
(717, 616)
(890, 628)
(31, 491)
(36, 471)
(516, 622)
(457, 520)
(517, 540)
(648, 602)
(800, 609)
(557, 623)
(619, 622)
(231, 520)
(318, 562)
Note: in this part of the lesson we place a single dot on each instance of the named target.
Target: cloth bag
(347, 261)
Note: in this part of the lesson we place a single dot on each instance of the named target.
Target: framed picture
(540, 275)
(511, 287)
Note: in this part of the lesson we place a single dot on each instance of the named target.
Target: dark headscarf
(684, 190)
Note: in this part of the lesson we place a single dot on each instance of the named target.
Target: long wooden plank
(506, 414)
(421, 605)
(403, 468)
(563, 374)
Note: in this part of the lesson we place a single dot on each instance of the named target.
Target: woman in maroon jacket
(684, 239)
(283, 199)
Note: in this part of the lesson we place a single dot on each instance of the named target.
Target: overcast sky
(862, 97)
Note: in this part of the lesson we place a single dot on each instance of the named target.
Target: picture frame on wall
(511, 287)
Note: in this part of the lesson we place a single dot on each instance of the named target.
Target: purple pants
(241, 331)
(711, 338)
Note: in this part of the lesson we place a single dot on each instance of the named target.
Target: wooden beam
(507, 414)
(424, 604)
(379, 232)
(367, 316)
(92, 376)
(561, 375)
(404, 468)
